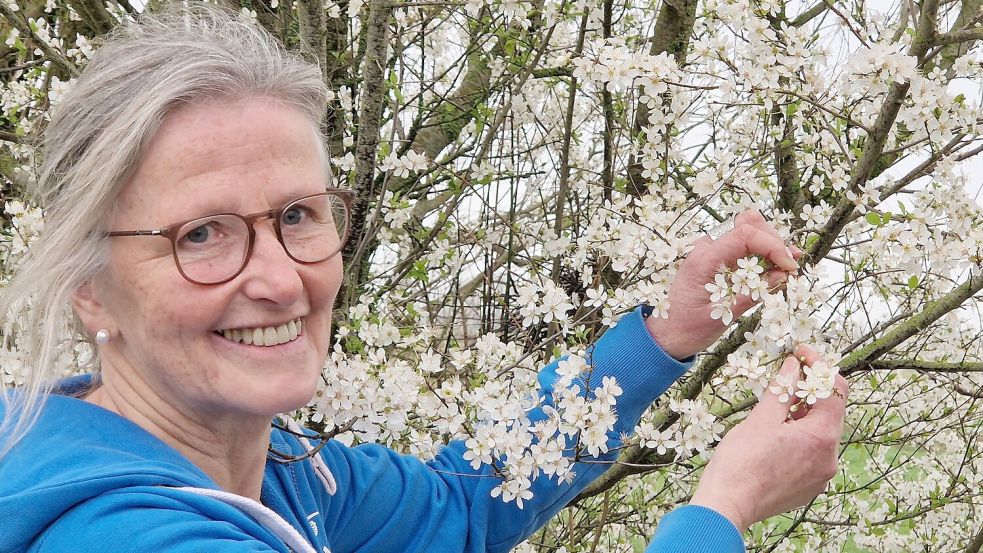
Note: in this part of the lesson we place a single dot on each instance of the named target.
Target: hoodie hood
(75, 453)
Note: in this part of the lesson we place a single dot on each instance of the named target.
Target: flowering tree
(527, 171)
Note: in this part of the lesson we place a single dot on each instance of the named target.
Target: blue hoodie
(87, 480)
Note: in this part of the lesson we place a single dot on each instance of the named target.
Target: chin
(287, 393)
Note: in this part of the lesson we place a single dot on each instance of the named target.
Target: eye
(198, 235)
(293, 216)
(207, 232)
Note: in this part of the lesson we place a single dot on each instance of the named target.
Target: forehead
(236, 156)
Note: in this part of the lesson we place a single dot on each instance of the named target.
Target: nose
(270, 274)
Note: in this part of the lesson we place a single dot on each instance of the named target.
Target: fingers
(754, 218)
(747, 240)
(770, 407)
(832, 410)
(703, 242)
(806, 355)
(775, 278)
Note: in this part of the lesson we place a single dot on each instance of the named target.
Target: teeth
(266, 336)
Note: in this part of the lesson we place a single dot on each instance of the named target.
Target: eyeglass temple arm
(136, 233)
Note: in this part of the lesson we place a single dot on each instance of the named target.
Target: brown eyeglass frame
(170, 231)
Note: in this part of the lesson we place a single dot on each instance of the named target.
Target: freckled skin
(240, 157)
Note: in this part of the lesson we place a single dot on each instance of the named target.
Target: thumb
(771, 408)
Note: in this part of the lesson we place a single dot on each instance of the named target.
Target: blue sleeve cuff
(643, 370)
(694, 528)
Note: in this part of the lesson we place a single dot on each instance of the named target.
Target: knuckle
(843, 385)
(745, 231)
(829, 469)
(822, 442)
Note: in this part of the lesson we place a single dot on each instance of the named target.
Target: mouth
(264, 336)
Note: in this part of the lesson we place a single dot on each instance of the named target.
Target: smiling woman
(192, 233)
(168, 303)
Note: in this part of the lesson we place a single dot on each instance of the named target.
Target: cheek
(153, 301)
(325, 282)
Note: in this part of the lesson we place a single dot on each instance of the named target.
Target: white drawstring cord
(320, 468)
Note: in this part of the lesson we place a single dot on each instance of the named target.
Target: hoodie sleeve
(695, 528)
(390, 502)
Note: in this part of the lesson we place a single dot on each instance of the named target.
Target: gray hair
(97, 136)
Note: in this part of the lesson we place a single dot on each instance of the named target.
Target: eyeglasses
(215, 249)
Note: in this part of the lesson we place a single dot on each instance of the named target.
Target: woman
(189, 225)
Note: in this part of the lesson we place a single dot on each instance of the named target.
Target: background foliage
(526, 171)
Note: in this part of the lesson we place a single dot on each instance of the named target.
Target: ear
(89, 308)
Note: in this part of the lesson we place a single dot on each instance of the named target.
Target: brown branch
(8, 136)
(25, 29)
(976, 544)
(673, 30)
(311, 23)
(956, 37)
(634, 459)
(96, 16)
(373, 94)
(876, 138)
(970, 14)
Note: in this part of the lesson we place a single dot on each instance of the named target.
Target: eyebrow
(213, 208)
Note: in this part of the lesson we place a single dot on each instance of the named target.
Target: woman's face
(240, 157)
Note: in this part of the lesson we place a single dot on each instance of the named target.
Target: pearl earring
(102, 337)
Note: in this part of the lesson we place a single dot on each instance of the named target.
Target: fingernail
(789, 251)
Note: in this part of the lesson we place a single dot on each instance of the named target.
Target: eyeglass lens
(213, 249)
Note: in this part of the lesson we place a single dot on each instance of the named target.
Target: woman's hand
(771, 463)
(689, 328)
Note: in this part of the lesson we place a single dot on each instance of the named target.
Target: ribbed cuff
(694, 528)
(643, 370)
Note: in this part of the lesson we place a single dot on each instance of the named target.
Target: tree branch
(8, 136)
(673, 29)
(924, 366)
(373, 95)
(956, 37)
(634, 459)
(976, 544)
(25, 29)
(860, 359)
(874, 145)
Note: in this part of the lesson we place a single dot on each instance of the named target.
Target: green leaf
(885, 218)
(510, 47)
(873, 218)
(419, 271)
(913, 282)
